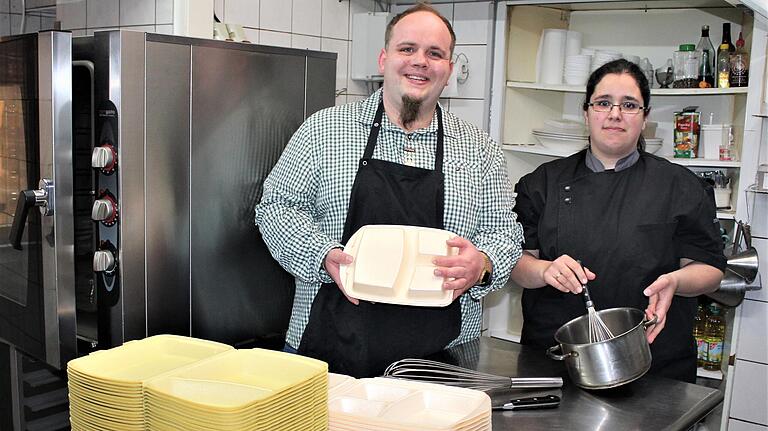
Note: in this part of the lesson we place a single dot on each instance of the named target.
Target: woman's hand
(566, 274)
(660, 294)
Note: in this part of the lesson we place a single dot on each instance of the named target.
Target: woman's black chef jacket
(628, 227)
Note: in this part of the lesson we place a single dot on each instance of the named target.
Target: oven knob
(104, 210)
(104, 158)
(103, 261)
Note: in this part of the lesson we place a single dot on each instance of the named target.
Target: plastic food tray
(393, 264)
(127, 366)
(391, 404)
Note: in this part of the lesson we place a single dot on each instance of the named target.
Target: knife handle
(529, 403)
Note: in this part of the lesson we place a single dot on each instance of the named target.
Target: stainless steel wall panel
(320, 71)
(167, 188)
(132, 152)
(55, 95)
(245, 107)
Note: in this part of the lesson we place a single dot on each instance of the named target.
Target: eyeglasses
(627, 107)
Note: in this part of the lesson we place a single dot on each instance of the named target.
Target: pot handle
(648, 323)
(552, 355)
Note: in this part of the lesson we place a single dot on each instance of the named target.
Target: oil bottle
(714, 334)
(699, 323)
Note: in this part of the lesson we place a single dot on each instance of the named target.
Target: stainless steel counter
(649, 403)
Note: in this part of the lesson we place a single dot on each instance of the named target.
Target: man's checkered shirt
(304, 205)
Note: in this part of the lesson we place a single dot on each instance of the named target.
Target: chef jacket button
(567, 188)
(567, 200)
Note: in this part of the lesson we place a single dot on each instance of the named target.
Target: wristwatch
(485, 276)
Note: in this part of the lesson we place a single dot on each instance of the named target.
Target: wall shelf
(556, 152)
(715, 375)
(654, 91)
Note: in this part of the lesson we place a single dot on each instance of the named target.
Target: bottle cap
(687, 47)
(740, 41)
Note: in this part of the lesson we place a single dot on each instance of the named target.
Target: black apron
(621, 225)
(362, 340)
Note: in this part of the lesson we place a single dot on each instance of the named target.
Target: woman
(643, 228)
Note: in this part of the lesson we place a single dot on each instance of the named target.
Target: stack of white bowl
(391, 404)
(577, 69)
(106, 387)
(253, 389)
(603, 56)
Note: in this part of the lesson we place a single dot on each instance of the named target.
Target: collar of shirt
(368, 111)
(595, 165)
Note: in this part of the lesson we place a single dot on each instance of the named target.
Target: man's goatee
(410, 110)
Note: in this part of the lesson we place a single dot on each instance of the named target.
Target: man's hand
(660, 294)
(461, 271)
(333, 259)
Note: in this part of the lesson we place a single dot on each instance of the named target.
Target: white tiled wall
(304, 24)
(472, 23)
(10, 19)
(86, 16)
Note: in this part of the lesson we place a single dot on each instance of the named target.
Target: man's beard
(410, 110)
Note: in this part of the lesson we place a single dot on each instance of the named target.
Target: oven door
(37, 293)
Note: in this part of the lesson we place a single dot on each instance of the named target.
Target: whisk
(598, 331)
(437, 372)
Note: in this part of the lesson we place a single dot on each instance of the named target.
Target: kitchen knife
(530, 403)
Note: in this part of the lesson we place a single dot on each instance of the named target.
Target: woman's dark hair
(618, 67)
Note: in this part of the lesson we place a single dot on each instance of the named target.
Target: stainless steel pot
(609, 363)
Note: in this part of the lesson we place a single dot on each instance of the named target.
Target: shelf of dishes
(654, 91)
(567, 151)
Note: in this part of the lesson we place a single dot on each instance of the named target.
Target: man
(394, 158)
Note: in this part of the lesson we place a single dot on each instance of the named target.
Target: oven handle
(43, 198)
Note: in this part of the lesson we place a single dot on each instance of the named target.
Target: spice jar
(686, 61)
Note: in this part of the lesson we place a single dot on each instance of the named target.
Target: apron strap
(373, 136)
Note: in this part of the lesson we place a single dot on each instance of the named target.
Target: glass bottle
(686, 69)
(739, 65)
(714, 333)
(699, 323)
(727, 37)
(707, 63)
(723, 67)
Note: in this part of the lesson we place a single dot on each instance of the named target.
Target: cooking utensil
(437, 372)
(598, 331)
(529, 403)
(609, 363)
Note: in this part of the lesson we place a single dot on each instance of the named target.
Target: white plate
(568, 144)
(560, 135)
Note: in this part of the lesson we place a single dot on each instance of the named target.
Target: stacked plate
(105, 387)
(652, 145)
(391, 404)
(564, 136)
(603, 56)
(577, 69)
(241, 390)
